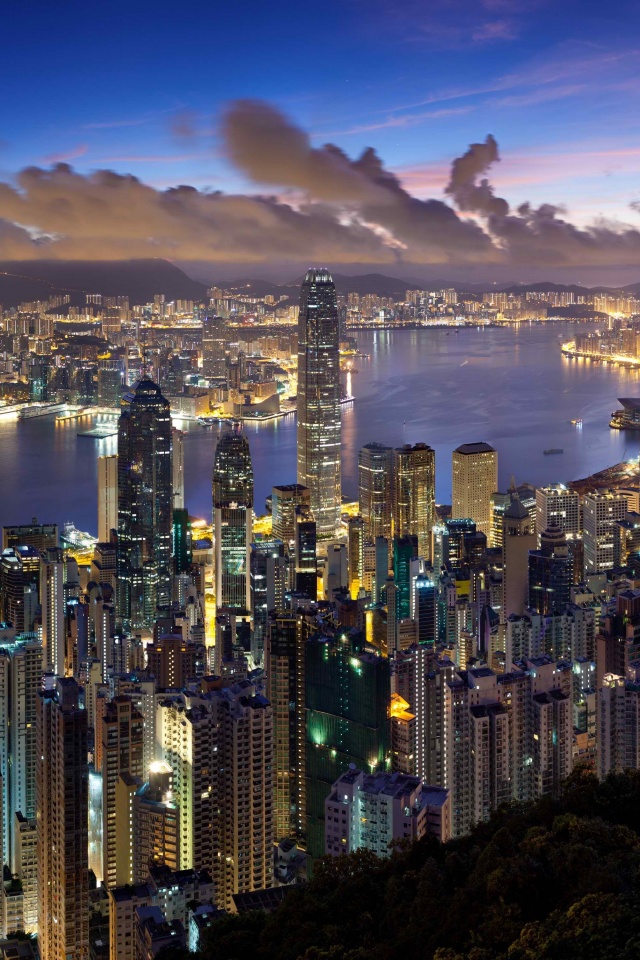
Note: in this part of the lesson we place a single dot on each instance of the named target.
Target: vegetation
(554, 880)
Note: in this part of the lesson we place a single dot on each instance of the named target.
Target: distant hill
(21, 281)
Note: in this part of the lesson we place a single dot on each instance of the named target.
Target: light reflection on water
(510, 387)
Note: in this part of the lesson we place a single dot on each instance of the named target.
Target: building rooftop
(481, 447)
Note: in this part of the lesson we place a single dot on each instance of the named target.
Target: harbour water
(509, 386)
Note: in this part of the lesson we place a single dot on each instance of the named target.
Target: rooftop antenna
(513, 490)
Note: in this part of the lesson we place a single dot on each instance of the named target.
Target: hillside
(556, 880)
(22, 281)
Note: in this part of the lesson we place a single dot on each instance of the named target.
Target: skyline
(551, 90)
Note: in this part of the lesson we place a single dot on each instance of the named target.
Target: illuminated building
(618, 722)
(122, 739)
(555, 503)
(499, 503)
(181, 539)
(233, 520)
(62, 785)
(601, 512)
(145, 503)
(414, 469)
(519, 539)
(19, 586)
(375, 489)
(425, 610)
(347, 720)
(319, 414)
(306, 569)
(474, 479)
(53, 610)
(172, 660)
(355, 551)
(370, 811)
(39, 380)
(213, 348)
(107, 497)
(40, 536)
(284, 665)
(177, 467)
(269, 579)
(405, 549)
(284, 499)
(550, 572)
(25, 845)
(109, 383)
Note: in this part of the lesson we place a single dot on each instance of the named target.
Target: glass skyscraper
(145, 506)
(233, 519)
(319, 400)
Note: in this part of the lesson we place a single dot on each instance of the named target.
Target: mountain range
(140, 280)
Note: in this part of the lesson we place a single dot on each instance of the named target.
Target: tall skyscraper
(555, 503)
(414, 500)
(355, 551)
(145, 503)
(213, 348)
(519, 539)
(62, 803)
(177, 466)
(475, 478)
(306, 561)
(107, 497)
(53, 607)
(109, 383)
(375, 489)
(550, 572)
(122, 743)
(284, 499)
(233, 519)
(601, 511)
(319, 414)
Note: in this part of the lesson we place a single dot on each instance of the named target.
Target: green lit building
(404, 551)
(347, 719)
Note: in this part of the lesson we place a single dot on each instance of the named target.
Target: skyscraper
(306, 562)
(375, 489)
(601, 511)
(122, 742)
(284, 499)
(62, 803)
(107, 497)
(550, 572)
(144, 505)
(414, 498)
(52, 603)
(233, 519)
(319, 425)
(213, 347)
(475, 478)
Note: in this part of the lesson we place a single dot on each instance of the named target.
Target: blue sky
(138, 88)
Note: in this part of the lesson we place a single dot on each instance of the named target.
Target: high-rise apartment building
(284, 664)
(550, 572)
(145, 503)
(375, 489)
(474, 479)
(107, 497)
(414, 474)
(319, 413)
(177, 467)
(62, 797)
(601, 513)
(619, 722)
(233, 520)
(53, 610)
(122, 750)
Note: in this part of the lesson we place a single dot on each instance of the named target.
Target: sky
(204, 95)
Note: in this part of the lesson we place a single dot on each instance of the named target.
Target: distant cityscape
(194, 710)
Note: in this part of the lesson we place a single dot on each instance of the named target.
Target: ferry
(552, 450)
(576, 423)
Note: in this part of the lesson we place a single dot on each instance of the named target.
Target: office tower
(425, 609)
(626, 546)
(454, 538)
(405, 549)
(375, 489)
(145, 504)
(306, 569)
(499, 503)
(107, 497)
(414, 469)
(40, 380)
(618, 722)
(319, 414)
(213, 348)
(40, 536)
(52, 604)
(122, 746)
(109, 383)
(555, 503)
(284, 664)
(62, 784)
(550, 572)
(19, 587)
(270, 572)
(177, 466)
(601, 512)
(347, 719)
(355, 550)
(284, 500)
(181, 541)
(232, 519)
(370, 811)
(474, 479)
(519, 539)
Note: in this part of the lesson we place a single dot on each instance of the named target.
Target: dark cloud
(333, 209)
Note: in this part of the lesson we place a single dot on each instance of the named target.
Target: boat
(577, 422)
(552, 450)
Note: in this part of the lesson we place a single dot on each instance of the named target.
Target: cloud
(330, 208)
(492, 30)
(73, 154)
